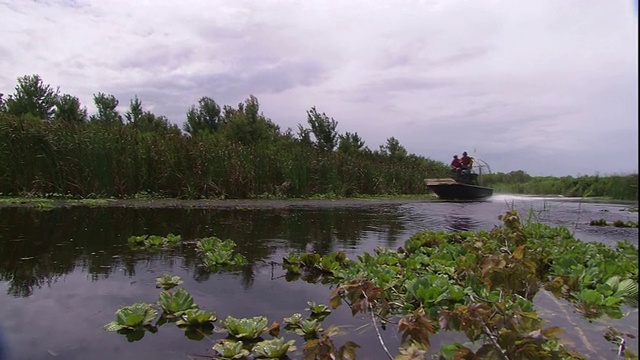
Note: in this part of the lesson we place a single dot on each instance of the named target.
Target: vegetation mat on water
(480, 283)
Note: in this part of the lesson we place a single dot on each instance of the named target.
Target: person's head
(455, 156)
(464, 153)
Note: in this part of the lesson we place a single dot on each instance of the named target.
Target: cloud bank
(548, 87)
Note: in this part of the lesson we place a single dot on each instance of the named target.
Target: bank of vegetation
(618, 187)
(49, 145)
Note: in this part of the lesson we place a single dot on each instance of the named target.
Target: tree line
(619, 187)
(49, 144)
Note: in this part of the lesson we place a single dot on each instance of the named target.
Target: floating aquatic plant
(217, 253)
(600, 222)
(153, 241)
(176, 303)
(323, 347)
(308, 328)
(196, 318)
(213, 243)
(168, 282)
(318, 311)
(481, 284)
(273, 349)
(245, 328)
(132, 317)
(294, 320)
(228, 349)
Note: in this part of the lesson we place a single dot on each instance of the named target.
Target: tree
(323, 129)
(350, 143)
(204, 118)
(148, 122)
(304, 135)
(106, 106)
(393, 148)
(68, 109)
(33, 97)
(3, 104)
(246, 124)
(135, 111)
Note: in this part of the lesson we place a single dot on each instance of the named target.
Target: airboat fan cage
(480, 167)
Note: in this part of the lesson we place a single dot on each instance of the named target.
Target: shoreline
(242, 204)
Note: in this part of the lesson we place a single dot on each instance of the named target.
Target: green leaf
(246, 328)
(591, 296)
(308, 328)
(196, 317)
(167, 281)
(318, 311)
(177, 302)
(231, 349)
(273, 349)
(627, 289)
(132, 317)
(294, 320)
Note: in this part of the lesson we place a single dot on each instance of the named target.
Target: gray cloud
(526, 84)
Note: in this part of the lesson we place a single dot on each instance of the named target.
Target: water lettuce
(318, 311)
(176, 303)
(230, 350)
(168, 282)
(273, 349)
(196, 318)
(245, 328)
(294, 320)
(132, 317)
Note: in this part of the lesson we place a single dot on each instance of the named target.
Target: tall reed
(115, 160)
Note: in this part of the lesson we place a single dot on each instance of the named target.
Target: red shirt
(456, 163)
(465, 160)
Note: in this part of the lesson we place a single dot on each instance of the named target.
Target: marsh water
(64, 271)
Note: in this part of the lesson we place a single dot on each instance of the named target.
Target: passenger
(456, 165)
(466, 161)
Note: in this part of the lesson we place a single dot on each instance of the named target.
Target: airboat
(463, 185)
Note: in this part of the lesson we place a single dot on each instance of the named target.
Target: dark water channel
(63, 272)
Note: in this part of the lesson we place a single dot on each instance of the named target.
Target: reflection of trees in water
(37, 247)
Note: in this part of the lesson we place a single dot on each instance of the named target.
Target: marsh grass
(114, 160)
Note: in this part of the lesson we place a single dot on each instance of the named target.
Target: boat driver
(466, 161)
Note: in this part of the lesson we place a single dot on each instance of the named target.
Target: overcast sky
(547, 86)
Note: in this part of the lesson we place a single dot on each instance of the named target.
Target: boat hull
(458, 191)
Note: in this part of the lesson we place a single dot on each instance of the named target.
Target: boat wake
(514, 197)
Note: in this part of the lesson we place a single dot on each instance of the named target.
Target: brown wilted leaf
(274, 329)
(335, 299)
(348, 351)
(418, 327)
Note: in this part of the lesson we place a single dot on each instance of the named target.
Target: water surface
(63, 272)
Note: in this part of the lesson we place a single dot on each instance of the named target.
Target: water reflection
(36, 247)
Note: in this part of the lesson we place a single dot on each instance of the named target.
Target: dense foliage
(619, 187)
(48, 145)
